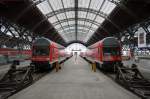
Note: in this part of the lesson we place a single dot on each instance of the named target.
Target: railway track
(17, 79)
(132, 80)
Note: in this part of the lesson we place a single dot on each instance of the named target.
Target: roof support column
(76, 18)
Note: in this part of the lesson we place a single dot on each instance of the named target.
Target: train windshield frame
(41, 50)
(114, 51)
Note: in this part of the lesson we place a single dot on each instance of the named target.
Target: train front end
(41, 54)
(111, 52)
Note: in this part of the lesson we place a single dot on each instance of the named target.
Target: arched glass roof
(76, 19)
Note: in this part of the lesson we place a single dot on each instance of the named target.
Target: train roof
(107, 42)
(110, 41)
(41, 41)
(44, 42)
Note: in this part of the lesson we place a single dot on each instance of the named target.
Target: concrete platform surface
(75, 81)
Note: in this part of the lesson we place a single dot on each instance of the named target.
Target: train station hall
(74, 49)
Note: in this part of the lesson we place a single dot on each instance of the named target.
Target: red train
(45, 53)
(105, 53)
(9, 54)
(11, 51)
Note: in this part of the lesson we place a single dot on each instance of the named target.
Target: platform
(75, 81)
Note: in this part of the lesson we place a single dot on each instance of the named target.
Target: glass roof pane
(68, 3)
(8, 33)
(71, 22)
(94, 26)
(88, 23)
(95, 4)
(99, 19)
(82, 14)
(52, 19)
(108, 7)
(81, 30)
(56, 4)
(90, 31)
(61, 16)
(14, 32)
(72, 27)
(88, 36)
(91, 16)
(80, 22)
(44, 7)
(70, 36)
(64, 23)
(83, 3)
(80, 27)
(68, 30)
(70, 14)
(65, 38)
(87, 29)
(58, 26)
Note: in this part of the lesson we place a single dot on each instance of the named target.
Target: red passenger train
(11, 54)
(45, 53)
(105, 53)
(11, 51)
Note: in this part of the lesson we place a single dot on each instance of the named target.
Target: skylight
(90, 15)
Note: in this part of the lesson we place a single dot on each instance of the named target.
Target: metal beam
(72, 32)
(13, 40)
(79, 19)
(59, 11)
(122, 6)
(55, 14)
(76, 18)
(35, 2)
(79, 25)
(87, 11)
(98, 12)
(69, 30)
(65, 12)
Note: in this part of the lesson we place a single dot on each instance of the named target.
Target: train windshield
(111, 51)
(40, 50)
